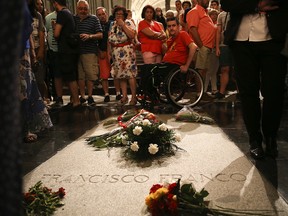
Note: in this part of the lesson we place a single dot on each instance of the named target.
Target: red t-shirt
(148, 44)
(177, 49)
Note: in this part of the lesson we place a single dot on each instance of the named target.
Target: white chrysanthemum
(163, 127)
(146, 122)
(137, 130)
(137, 122)
(177, 137)
(124, 139)
(134, 146)
(153, 148)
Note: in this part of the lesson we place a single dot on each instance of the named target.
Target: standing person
(52, 56)
(38, 63)
(223, 51)
(160, 17)
(90, 30)
(211, 75)
(186, 5)
(103, 59)
(151, 35)
(123, 55)
(179, 9)
(67, 54)
(203, 32)
(214, 4)
(256, 39)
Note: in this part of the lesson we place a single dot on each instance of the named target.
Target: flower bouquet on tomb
(40, 200)
(142, 135)
(183, 200)
(187, 114)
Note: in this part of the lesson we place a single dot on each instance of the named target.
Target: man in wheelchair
(179, 53)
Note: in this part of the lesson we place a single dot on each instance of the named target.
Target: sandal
(30, 137)
(123, 100)
(133, 101)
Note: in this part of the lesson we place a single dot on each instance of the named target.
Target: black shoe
(207, 97)
(58, 103)
(107, 98)
(271, 147)
(219, 95)
(82, 100)
(257, 153)
(118, 97)
(91, 101)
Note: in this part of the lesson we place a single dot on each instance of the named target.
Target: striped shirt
(90, 25)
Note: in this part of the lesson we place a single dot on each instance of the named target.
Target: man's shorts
(88, 67)
(53, 64)
(105, 68)
(68, 66)
(226, 58)
(202, 59)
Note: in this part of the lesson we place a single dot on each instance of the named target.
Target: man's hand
(267, 5)
(184, 68)
(84, 37)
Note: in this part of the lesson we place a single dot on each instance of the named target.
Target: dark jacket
(276, 20)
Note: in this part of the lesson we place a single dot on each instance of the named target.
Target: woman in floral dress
(122, 32)
(35, 117)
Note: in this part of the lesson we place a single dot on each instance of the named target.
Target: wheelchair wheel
(184, 89)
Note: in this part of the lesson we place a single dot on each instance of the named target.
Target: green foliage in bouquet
(42, 201)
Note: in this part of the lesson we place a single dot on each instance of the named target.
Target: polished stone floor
(70, 125)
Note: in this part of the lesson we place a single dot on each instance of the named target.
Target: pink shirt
(198, 17)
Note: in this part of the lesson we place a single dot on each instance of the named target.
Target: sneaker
(82, 100)
(107, 98)
(118, 97)
(91, 101)
(219, 95)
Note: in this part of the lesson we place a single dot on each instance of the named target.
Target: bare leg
(74, 93)
(123, 85)
(90, 86)
(132, 84)
(224, 79)
(105, 86)
(81, 84)
(58, 86)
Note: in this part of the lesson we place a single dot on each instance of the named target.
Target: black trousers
(261, 68)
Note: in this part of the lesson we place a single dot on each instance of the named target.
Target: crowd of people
(79, 49)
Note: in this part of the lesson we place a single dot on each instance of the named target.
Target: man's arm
(57, 30)
(192, 49)
(195, 36)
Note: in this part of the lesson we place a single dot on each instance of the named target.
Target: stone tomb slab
(104, 183)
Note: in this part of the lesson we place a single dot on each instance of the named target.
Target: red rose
(155, 187)
(61, 192)
(172, 188)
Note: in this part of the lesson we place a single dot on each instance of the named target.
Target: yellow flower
(160, 192)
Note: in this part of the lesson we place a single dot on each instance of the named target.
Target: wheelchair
(165, 83)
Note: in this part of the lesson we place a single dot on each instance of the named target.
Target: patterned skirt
(35, 117)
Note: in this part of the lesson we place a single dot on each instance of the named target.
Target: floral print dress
(122, 53)
(34, 112)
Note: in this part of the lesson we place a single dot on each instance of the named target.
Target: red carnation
(155, 187)
(61, 192)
